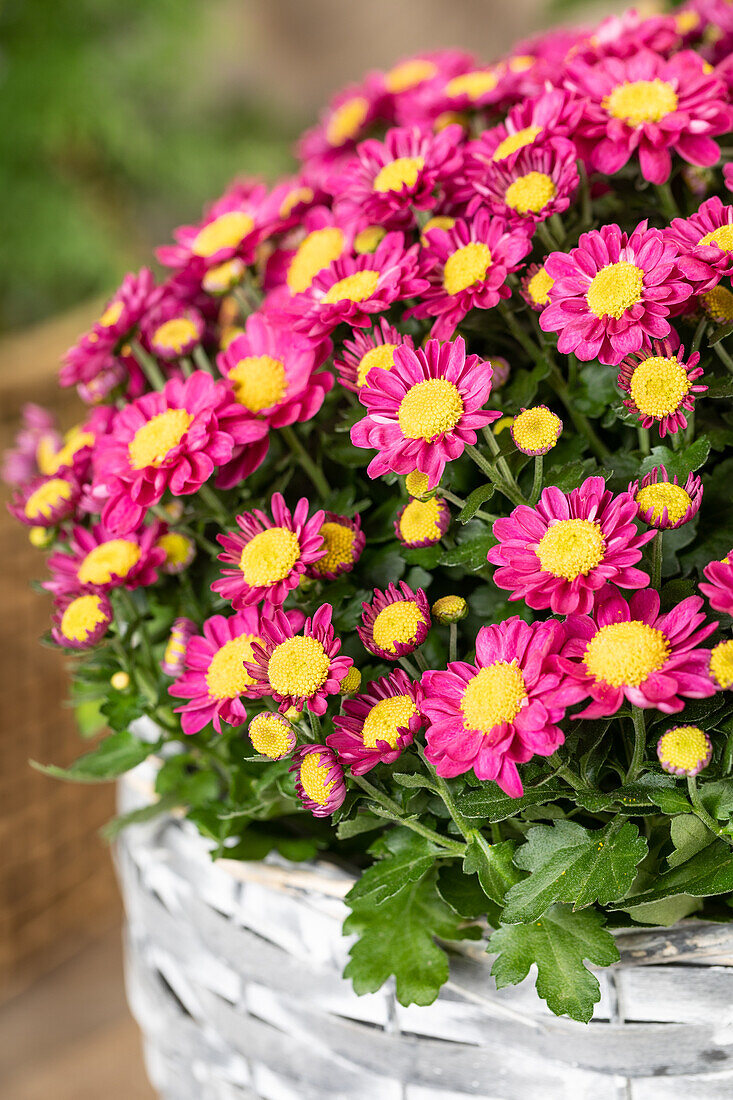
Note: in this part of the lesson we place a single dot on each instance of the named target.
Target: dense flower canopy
(402, 498)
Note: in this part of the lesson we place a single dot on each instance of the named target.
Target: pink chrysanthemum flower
(449, 96)
(345, 121)
(412, 74)
(386, 179)
(172, 329)
(423, 412)
(627, 650)
(216, 682)
(613, 293)
(298, 666)
(663, 502)
(344, 541)
(529, 187)
(705, 244)
(467, 268)
(269, 557)
(179, 549)
(272, 735)
(718, 584)
(97, 560)
(422, 523)
(173, 439)
(500, 712)
(174, 655)
(320, 239)
(38, 436)
(319, 781)
(554, 114)
(377, 724)
(396, 622)
(89, 356)
(374, 348)
(536, 431)
(535, 286)
(561, 553)
(354, 288)
(232, 227)
(721, 664)
(649, 106)
(661, 386)
(81, 620)
(684, 750)
(46, 501)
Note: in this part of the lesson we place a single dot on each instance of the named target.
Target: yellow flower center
(223, 277)
(419, 521)
(313, 778)
(399, 173)
(722, 237)
(440, 221)
(176, 334)
(175, 648)
(354, 288)
(82, 617)
(571, 548)
(658, 386)
(626, 654)
(494, 696)
(417, 483)
(319, 249)
(177, 547)
(687, 21)
(347, 120)
(381, 356)
(298, 667)
(521, 63)
(539, 287)
(366, 240)
(269, 736)
(450, 609)
(114, 558)
(386, 719)
(429, 409)
(49, 461)
(112, 314)
(409, 74)
(151, 444)
(512, 142)
(47, 497)
(226, 676)
(721, 664)
(269, 556)
(294, 198)
(339, 546)
(536, 429)
(640, 101)
(259, 382)
(665, 494)
(351, 682)
(466, 266)
(616, 288)
(397, 623)
(718, 304)
(226, 231)
(686, 748)
(530, 193)
(472, 85)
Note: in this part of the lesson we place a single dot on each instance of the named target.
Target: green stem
(459, 503)
(453, 643)
(409, 668)
(637, 756)
(644, 442)
(136, 623)
(538, 478)
(702, 813)
(493, 475)
(657, 554)
(202, 360)
(215, 506)
(148, 365)
(314, 473)
(396, 811)
(501, 463)
(667, 200)
(582, 424)
(534, 351)
(186, 366)
(723, 355)
(699, 333)
(565, 772)
(586, 214)
(422, 662)
(315, 725)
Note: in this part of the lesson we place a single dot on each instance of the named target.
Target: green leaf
(410, 856)
(596, 390)
(489, 801)
(571, 475)
(557, 944)
(689, 835)
(678, 463)
(571, 864)
(720, 387)
(708, 873)
(113, 756)
(398, 938)
(474, 501)
(137, 817)
(121, 710)
(425, 556)
(364, 822)
(461, 891)
(471, 554)
(493, 863)
(665, 913)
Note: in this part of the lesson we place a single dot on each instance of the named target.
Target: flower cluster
(402, 497)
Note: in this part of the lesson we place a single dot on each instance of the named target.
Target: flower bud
(450, 609)
(120, 681)
(174, 658)
(684, 750)
(351, 681)
(272, 735)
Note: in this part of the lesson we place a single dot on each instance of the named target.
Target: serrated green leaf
(489, 801)
(113, 828)
(493, 864)
(471, 554)
(708, 873)
(689, 836)
(112, 757)
(398, 938)
(364, 822)
(573, 865)
(720, 387)
(474, 501)
(678, 463)
(413, 780)
(462, 892)
(557, 944)
(570, 476)
(410, 857)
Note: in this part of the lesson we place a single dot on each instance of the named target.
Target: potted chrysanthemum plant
(395, 538)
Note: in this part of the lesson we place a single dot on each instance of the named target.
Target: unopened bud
(450, 609)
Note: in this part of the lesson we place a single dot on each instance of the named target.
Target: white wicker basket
(234, 975)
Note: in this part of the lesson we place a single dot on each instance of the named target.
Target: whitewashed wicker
(234, 975)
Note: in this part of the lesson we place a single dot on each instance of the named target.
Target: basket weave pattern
(233, 974)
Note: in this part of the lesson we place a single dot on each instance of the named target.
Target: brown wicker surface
(56, 883)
